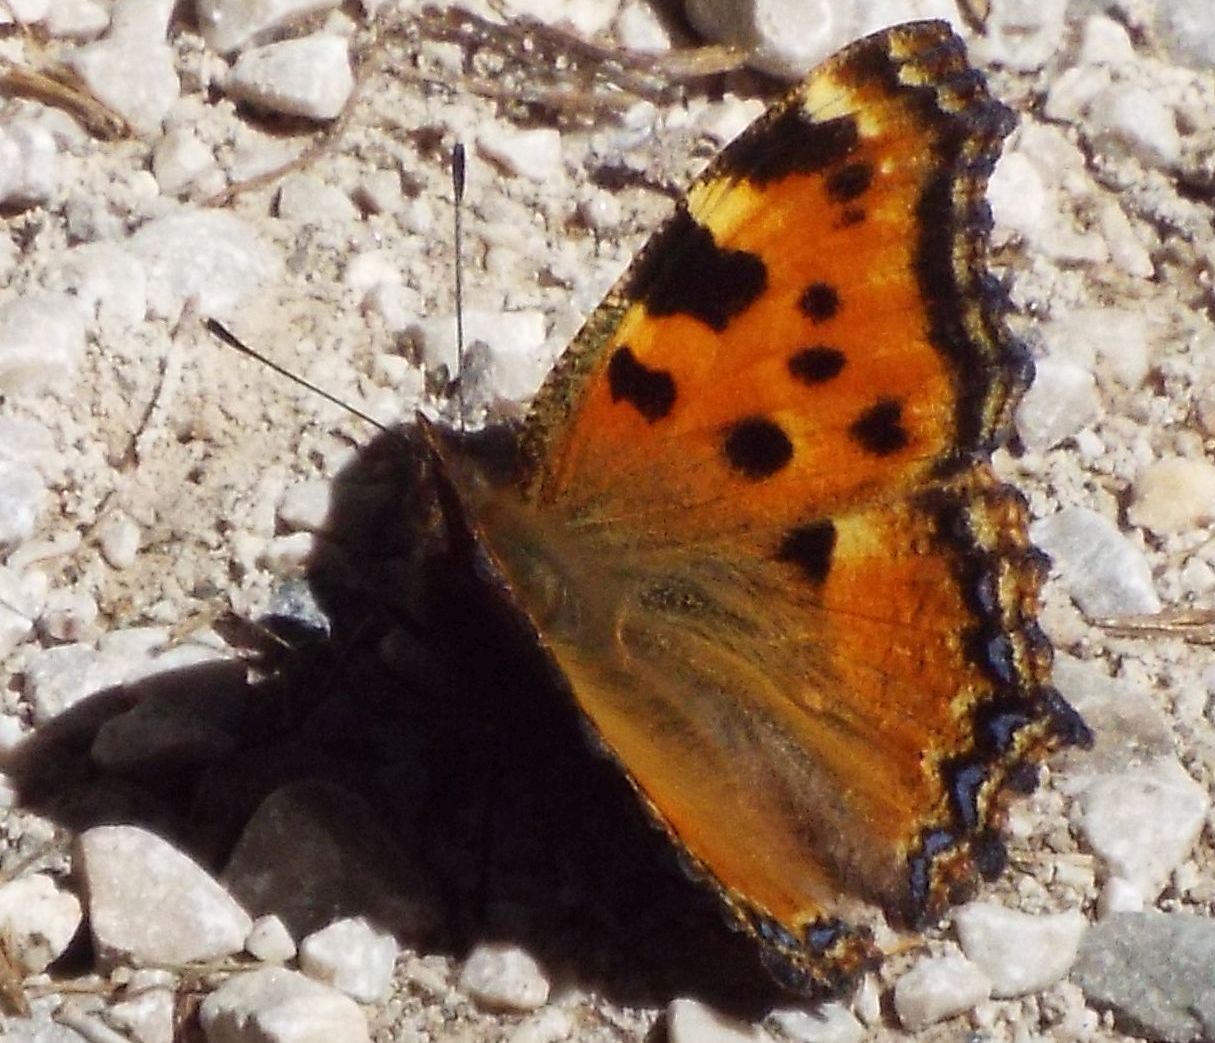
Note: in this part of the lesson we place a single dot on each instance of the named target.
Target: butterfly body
(754, 526)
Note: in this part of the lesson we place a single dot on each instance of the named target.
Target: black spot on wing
(810, 548)
(816, 365)
(819, 302)
(879, 430)
(650, 391)
(849, 182)
(757, 447)
(684, 272)
(789, 143)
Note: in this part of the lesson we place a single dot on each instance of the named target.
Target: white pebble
(310, 201)
(784, 38)
(180, 160)
(309, 77)
(229, 24)
(213, 259)
(513, 337)
(369, 269)
(28, 12)
(132, 70)
(1018, 199)
(149, 903)
(938, 987)
(1119, 895)
(351, 956)
(1175, 495)
(77, 20)
(690, 1021)
(41, 342)
(22, 494)
(118, 535)
(1021, 34)
(638, 28)
(533, 154)
(823, 1023)
(146, 1015)
(550, 1025)
(58, 678)
(1103, 571)
(22, 599)
(1062, 399)
(29, 164)
(108, 281)
(1185, 27)
(37, 921)
(274, 1005)
(1137, 120)
(1144, 821)
(305, 506)
(1105, 42)
(69, 615)
(270, 941)
(287, 555)
(504, 977)
(1020, 953)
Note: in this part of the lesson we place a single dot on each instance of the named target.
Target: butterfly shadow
(412, 760)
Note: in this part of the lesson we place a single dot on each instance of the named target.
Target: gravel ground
(169, 674)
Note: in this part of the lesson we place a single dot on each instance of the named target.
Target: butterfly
(752, 521)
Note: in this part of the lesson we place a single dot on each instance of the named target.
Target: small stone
(305, 506)
(147, 1015)
(379, 192)
(310, 201)
(825, 1023)
(689, 1021)
(270, 941)
(1173, 495)
(1119, 896)
(514, 339)
(1021, 34)
(370, 269)
(22, 494)
(867, 1002)
(344, 863)
(1144, 821)
(29, 164)
(180, 160)
(22, 597)
(118, 535)
(1018, 199)
(533, 154)
(132, 69)
(1185, 28)
(214, 260)
(37, 921)
(58, 678)
(638, 28)
(1154, 971)
(1134, 119)
(504, 977)
(351, 956)
(1115, 343)
(1104, 572)
(149, 903)
(938, 987)
(1062, 400)
(308, 77)
(41, 342)
(171, 728)
(1105, 42)
(229, 24)
(76, 20)
(274, 1005)
(69, 615)
(287, 555)
(108, 281)
(1019, 953)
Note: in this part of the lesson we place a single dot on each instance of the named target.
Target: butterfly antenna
(221, 332)
(457, 190)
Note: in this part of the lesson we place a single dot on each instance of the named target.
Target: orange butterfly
(753, 522)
